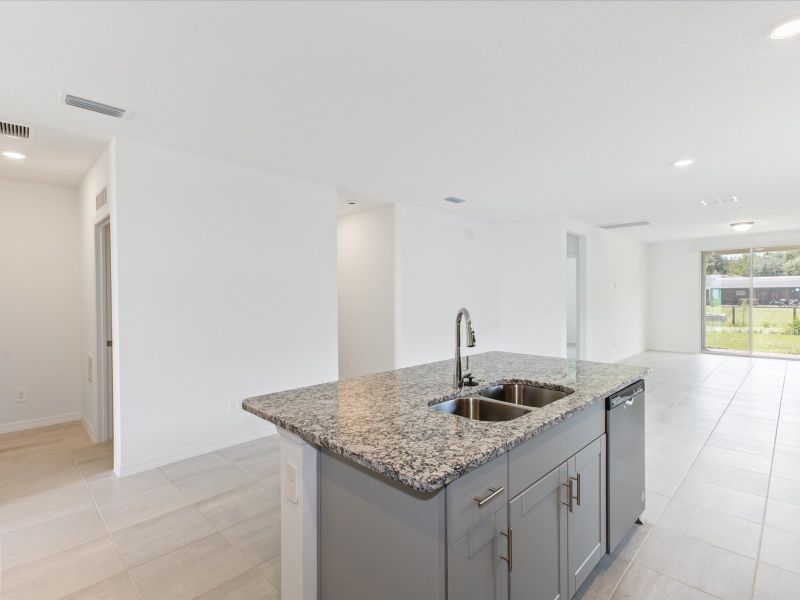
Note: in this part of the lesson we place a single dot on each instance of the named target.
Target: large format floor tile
(64, 572)
(698, 564)
(190, 571)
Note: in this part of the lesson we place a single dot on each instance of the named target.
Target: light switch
(290, 474)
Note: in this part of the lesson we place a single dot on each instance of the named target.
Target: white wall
(674, 286)
(98, 177)
(616, 312)
(529, 286)
(403, 273)
(512, 278)
(40, 300)
(366, 289)
(443, 262)
(225, 287)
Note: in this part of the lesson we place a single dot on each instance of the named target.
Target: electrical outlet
(21, 395)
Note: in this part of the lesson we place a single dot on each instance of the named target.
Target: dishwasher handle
(626, 397)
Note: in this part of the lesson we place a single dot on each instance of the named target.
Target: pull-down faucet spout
(458, 379)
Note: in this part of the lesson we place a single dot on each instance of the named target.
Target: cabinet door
(586, 524)
(475, 569)
(539, 528)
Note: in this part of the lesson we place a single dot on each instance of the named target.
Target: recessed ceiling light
(683, 163)
(14, 155)
(742, 226)
(786, 29)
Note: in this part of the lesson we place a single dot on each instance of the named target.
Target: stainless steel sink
(480, 409)
(524, 394)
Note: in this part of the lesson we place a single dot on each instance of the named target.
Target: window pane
(727, 295)
(776, 298)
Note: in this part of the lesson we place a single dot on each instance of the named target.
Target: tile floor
(208, 527)
(723, 497)
(723, 484)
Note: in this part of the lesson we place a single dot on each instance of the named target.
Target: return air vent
(625, 225)
(94, 106)
(719, 201)
(101, 199)
(15, 130)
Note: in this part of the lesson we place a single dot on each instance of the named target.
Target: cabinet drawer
(488, 483)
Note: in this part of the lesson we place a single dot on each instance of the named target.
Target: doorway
(573, 293)
(105, 343)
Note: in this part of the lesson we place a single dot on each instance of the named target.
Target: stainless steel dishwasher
(625, 438)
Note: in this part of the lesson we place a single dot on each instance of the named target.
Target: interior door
(586, 524)
(109, 349)
(538, 521)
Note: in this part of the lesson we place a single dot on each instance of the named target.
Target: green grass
(778, 317)
(724, 338)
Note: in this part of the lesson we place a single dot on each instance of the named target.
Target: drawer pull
(495, 492)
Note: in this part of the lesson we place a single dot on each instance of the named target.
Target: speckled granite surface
(384, 421)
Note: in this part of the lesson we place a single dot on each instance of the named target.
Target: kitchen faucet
(458, 379)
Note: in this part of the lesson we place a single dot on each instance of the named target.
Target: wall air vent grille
(101, 199)
(625, 225)
(90, 368)
(14, 130)
(94, 106)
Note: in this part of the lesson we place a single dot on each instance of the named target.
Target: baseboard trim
(40, 422)
(132, 468)
(87, 425)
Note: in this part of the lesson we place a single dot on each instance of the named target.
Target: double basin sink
(502, 402)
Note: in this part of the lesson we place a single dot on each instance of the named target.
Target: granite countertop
(384, 421)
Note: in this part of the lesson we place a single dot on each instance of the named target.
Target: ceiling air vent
(719, 201)
(624, 225)
(101, 199)
(97, 107)
(14, 130)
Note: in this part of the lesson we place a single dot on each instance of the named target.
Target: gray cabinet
(478, 562)
(586, 522)
(538, 520)
(559, 527)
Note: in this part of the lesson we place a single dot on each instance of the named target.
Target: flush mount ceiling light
(14, 155)
(786, 29)
(742, 225)
(683, 163)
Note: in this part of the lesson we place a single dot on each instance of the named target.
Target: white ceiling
(523, 109)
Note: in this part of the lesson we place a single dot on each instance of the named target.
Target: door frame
(580, 291)
(104, 370)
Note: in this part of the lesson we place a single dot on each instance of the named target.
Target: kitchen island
(384, 496)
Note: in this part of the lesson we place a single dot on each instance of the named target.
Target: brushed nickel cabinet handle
(577, 479)
(570, 494)
(495, 492)
(510, 558)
